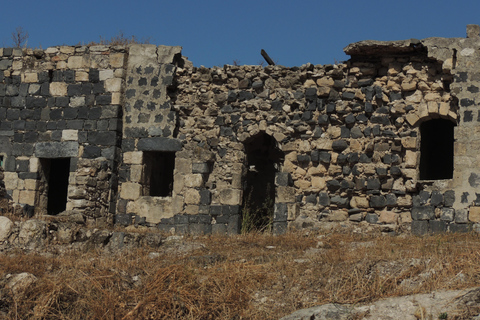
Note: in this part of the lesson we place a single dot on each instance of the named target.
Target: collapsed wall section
(349, 135)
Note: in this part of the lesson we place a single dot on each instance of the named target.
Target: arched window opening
(436, 149)
(263, 161)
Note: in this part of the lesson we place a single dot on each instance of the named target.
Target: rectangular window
(158, 173)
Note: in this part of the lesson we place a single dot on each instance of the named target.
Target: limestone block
(74, 192)
(315, 171)
(69, 135)
(443, 109)
(411, 186)
(183, 166)
(398, 185)
(334, 132)
(193, 180)
(31, 184)
(105, 74)
(67, 49)
(387, 217)
(75, 62)
(405, 201)
(290, 146)
(130, 191)
(333, 170)
(15, 195)
(293, 211)
(318, 182)
(117, 60)
(51, 50)
(154, 208)
(116, 98)
(304, 146)
(323, 91)
(6, 226)
(452, 115)
(359, 202)
(11, 180)
(302, 184)
(409, 142)
(58, 89)
(61, 65)
(325, 82)
(285, 194)
(408, 85)
(228, 196)
(409, 173)
(432, 107)
(133, 157)
(474, 214)
(356, 145)
(192, 196)
(113, 85)
(81, 76)
(322, 144)
(177, 204)
(17, 65)
(27, 197)
(136, 173)
(309, 83)
(412, 118)
(405, 217)
(178, 183)
(410, 159)
(432, 96)
(30, 77)
(337, 216)
(416, 97)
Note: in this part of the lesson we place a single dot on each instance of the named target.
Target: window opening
(158, 173)
(436, 149)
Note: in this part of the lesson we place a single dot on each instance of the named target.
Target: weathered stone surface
(159, 144)
(6, 226)
(65, 149)
(19, 282)
(423, 213)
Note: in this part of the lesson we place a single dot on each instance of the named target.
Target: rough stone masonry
(137, 135)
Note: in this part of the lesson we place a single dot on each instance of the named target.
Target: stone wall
(62, 103)
(152, 140)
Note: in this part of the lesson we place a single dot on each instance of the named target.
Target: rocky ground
(57, 268)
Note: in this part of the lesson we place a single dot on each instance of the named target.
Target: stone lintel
(65, 149)
(159, 144)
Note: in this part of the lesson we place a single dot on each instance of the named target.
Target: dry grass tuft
(253, 276)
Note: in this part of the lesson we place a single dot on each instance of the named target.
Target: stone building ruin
(137, 135)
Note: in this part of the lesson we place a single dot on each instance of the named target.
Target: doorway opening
(55, 175)
(263, 162)
(158, 170)
(436, 149)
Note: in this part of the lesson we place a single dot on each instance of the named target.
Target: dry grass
(252, 276)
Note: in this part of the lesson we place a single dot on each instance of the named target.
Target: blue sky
(215, 32)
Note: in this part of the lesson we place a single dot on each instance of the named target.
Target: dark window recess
(57, 172)
(158, 173)
(436, 150)
(1, 161)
